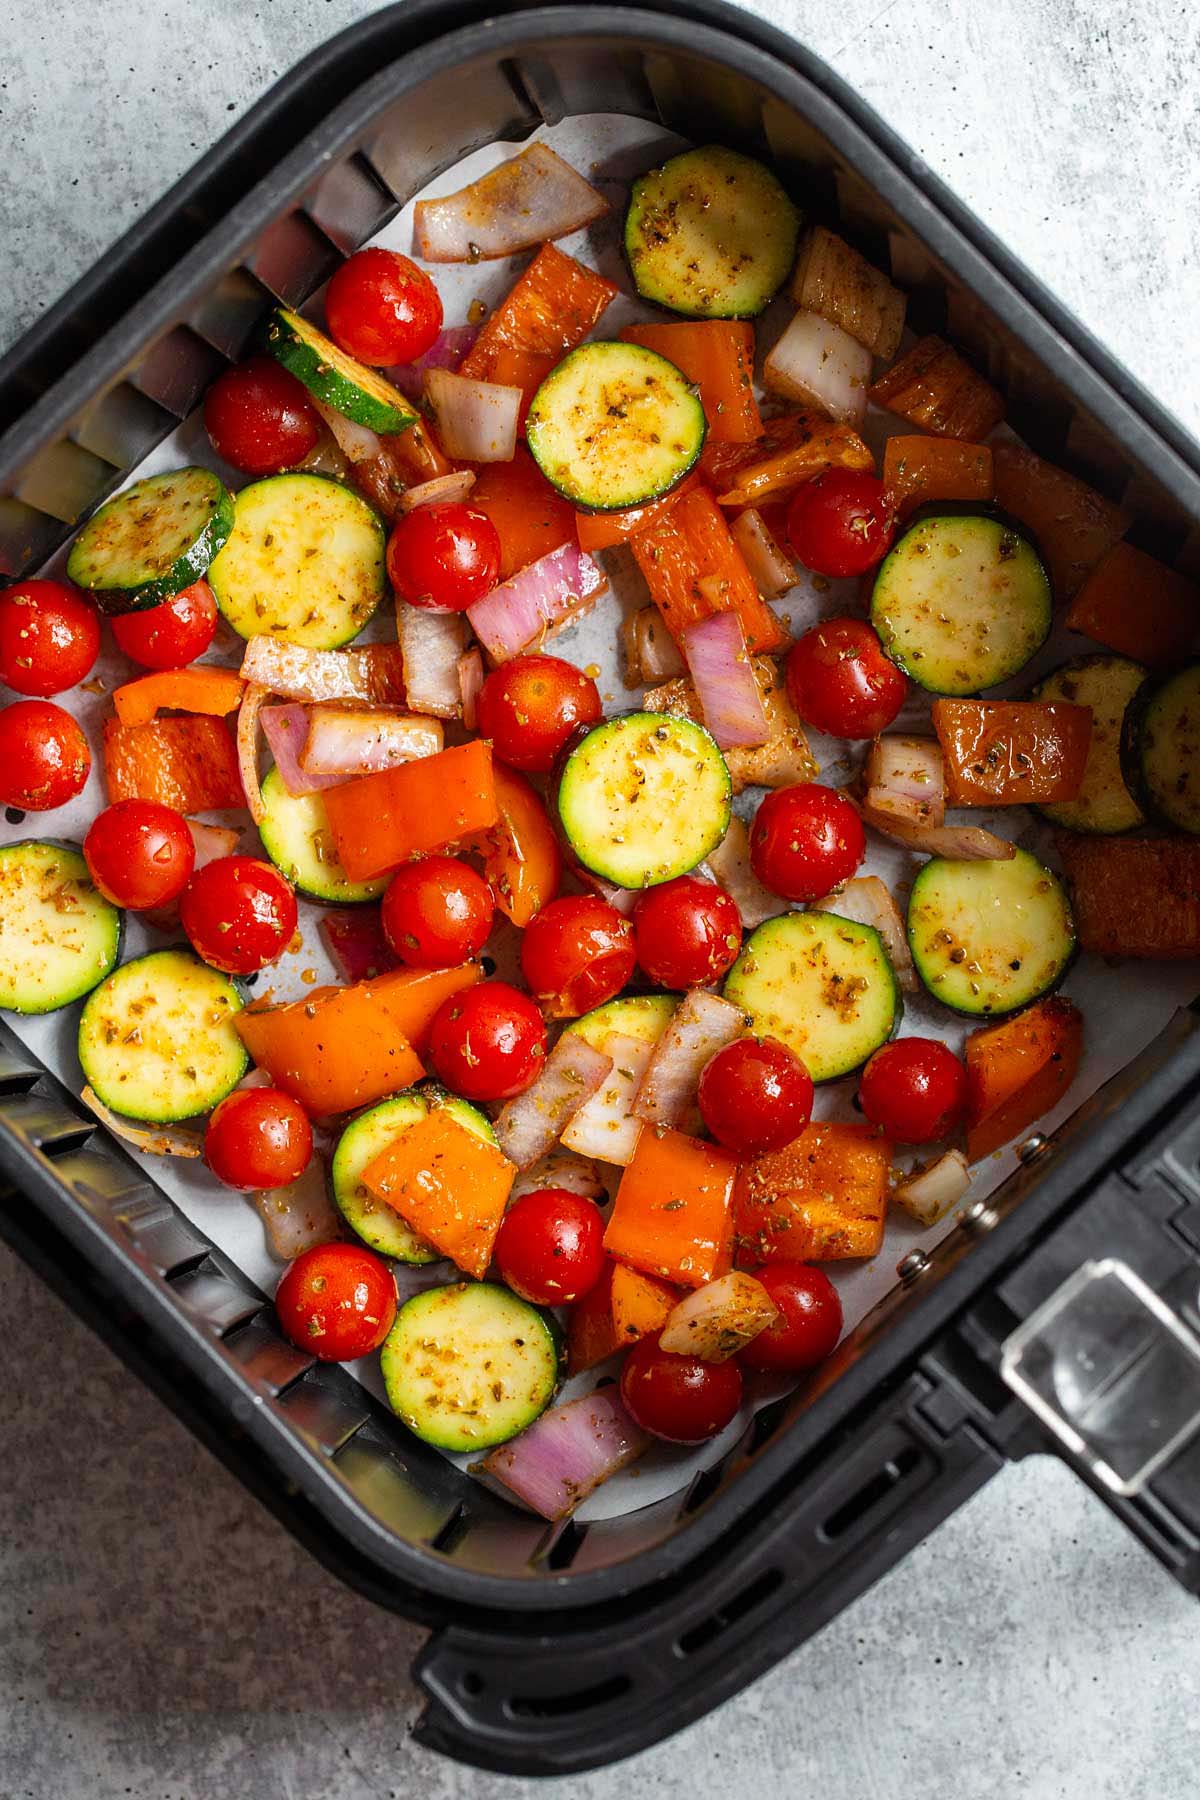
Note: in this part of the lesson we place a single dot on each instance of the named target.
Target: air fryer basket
(557, 1648)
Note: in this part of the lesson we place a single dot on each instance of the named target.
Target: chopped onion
(438, 492)
(286, 731)
(702, 1025)
(247, 746)
(772, 569)
(959, 843)
(446, 352)
(211, 842)
(929, 1193)
(356, 944)
(361, 740)
(650, 652)
(565, 1455)
(622, 900)
(535, 603)
(470, 680)
(355, 442)
(533, 197)
(867, 901)
(785, 758)
(906, 776)
(295, 673)
(723, 677)
(732, 869)
(476, 420)
(605, 1126)
(559, 1168)
(719, 1319)
(817, 361)
(431, 644)
(152, 1140)
(299, 1217)
(532, 1123)
(325, 458)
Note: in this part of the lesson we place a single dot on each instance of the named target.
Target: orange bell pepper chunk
(821, 1198)
(1012, 752)
(531, 517)
(673, 1212)
(932, 386)
(1017, 1070)
(794, 447)
(549, 310)
(640, 1304)
(717, 355)
(333, 1051)
(380, 821)
(411, 997)
(186, 761)
(591, 1330)
(602, 531)
(1072, 525)
(917, 469)
(196, 690)
(522, 862)
(694, 569)
(1137, 606)
(448, 1185)
(1134, 896)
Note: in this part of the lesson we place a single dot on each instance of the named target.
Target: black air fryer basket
(558, 1648)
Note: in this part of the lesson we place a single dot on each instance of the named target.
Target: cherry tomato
(915, 1090)
(688, 932)
(841, 523)
(172, 635)
(260, 418)
(44, 757)
(337, 1301)
(805, 841)
(488, 1043)
(444, 557)
(809, 1323)
(382, 308)
(550, 1246)
(678, 1398)
(258, 1138)
(755, 1096)
(139, 854)
(49, 637)
(576, 954)
(841, 682)
(437, 912)
(530, 706)
(239, 913)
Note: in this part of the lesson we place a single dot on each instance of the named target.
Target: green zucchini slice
(335, 379)
(296, 836)
(1107, 684)
(989, 937)
(1160, 748)
(59, 936)
(641, 1016)
(367, 1137)
(152, 540)
(157, 1039)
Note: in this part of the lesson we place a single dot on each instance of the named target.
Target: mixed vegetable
(677, 975)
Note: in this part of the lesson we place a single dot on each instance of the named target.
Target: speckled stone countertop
(160, 1636)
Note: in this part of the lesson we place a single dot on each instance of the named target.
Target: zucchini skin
(108, 914)
(114, 598)
(336, 379)
(1136, 746)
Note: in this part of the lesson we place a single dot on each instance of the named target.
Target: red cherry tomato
(809, 1323)
(550, 1246)
(841, 523)
(805, 841)
(49, 637)
(44, 757)
(444, 557)
(172, 635)
(678, 1398)
(576, 954)
(258, 1138)
(841, 682)
(382, 308)
(755, 1096)
(488, 1043)
(239, 913)
(530, 706)
(139, 854)
(260, 418)
(437, 912)
(915, 1090)
(688, 932)
(337, 1301)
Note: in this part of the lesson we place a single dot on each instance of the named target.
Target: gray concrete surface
(160, 1637)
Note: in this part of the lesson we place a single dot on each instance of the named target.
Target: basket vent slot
(894, 1471)
(561, 1706)
(451, 1532)
(746, 1600)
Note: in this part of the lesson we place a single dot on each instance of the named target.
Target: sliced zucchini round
(1107, 684)
(470, 1365)
(643, 798)
(157, 1039)
(335, 379)
(615, 425)
(643, 1016)
(296, 836)
(152, 540)
(989, 937)
(1160, 748)
(367, 1137)
(822, 985)
(961, 602)
(59, 936)
(710, 234)
(303, 563)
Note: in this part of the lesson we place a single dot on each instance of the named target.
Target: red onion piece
(361, 740)
(209, 843)
(605, 1126)
(723, 677)
(431, 644)
(440, 491)
(299, 1217)
(650, 652)
(622, 900)
(818, 362)
(559, 1168)
(151, 1140)
(286, 731)
(929, 1193)
(702, 1025)
(533, 197)
(357, 947)
(475, 420)
(532, 605)
(470, 680)
(732, 869)
(867, 901)
(355, 442)
(566, 1454)
(772, 569)
(247, 746)
(907, 776)
(532, 1123)
(293, 672)
(446, 352)
(959, 843)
